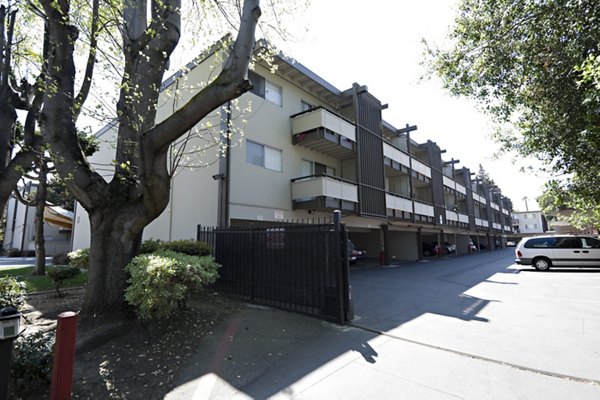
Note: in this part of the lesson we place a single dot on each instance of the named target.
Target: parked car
(355, 254)
(479, 246)
(543, 252)
(429, 248)
(511, 243)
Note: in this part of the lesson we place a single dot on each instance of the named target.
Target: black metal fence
(298, 267)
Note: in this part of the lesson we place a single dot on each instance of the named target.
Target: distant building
(529, 222)
(19, 231)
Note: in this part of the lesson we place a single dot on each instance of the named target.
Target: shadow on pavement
(263, 352)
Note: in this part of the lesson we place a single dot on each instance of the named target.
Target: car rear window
(536, 243)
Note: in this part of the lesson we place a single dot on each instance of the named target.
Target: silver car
(543, 252)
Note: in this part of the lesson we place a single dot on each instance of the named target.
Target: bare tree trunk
(111, 249)
(40, 206)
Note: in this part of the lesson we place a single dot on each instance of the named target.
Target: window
(305, 106)
(568, 243)
(265, 89)
(263, 156)
(592, 243)
(315, 168)
(273, 93)
(539, 243)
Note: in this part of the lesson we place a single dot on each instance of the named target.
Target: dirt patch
(128, 360)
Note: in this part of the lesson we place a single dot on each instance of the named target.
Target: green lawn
(40, 283)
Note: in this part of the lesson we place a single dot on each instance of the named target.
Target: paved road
(19, 261)
(471, 327)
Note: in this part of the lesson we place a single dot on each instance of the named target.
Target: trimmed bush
(189, 247)
(80, 258)
(12, 292)
(13, 252)
(60, 259)
(60, 274)
(161, 283)
(150, 246)
(32, 359)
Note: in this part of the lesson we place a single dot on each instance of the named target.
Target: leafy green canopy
(533, 64)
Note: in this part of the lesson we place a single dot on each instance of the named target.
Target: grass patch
(40, 283)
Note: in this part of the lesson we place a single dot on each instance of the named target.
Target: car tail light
(519, 254)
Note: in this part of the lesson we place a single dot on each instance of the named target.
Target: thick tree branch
(8, 48)
(91, 61)
(58, 126)
(230, 84)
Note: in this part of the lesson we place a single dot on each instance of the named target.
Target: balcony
(397, 157)
(324, 192)
(323, 131)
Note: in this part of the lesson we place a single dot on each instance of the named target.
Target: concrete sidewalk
(408, 342)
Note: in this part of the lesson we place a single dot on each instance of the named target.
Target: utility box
(10, 320)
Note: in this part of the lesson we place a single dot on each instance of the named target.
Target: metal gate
(297, 267)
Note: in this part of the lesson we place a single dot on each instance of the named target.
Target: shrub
(189, 247)
(60, 259)
(32, 359)
(161, 283)
(80, 258)
(150, 246)
(60, 274)
(12, 292)
(13, 252)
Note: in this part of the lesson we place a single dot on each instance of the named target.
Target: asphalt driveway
(470, 327)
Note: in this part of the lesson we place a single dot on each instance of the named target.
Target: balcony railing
(325, 132)
(451, 215)
(398, 203)
(324, 192)
(424, 209)
(394, 154)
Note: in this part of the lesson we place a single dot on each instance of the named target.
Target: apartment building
(307, 149)
(529, 222)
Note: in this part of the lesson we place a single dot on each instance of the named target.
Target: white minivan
(543, 252)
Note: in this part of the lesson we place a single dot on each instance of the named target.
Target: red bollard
(64, 356)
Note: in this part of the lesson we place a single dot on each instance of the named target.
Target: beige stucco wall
(257, 192)
(194, 192)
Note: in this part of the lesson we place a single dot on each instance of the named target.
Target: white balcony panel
(451, 215)
(507, 228)
(497, 226)
(495, 206)
(421, 168)
(424, 209)
(398, 203)
(463, 218)
(461, 189)
(324, 186)
(323, 118)
(449, 182)
(505, 211)
(394, 154)
(479, 198)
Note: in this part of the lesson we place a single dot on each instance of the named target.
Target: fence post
(64, 356)
(345, 301)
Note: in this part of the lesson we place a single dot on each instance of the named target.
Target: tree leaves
(533, 65)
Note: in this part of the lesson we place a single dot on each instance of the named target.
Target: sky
(380, 46)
